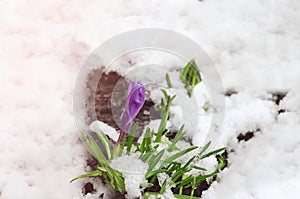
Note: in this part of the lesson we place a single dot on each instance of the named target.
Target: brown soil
(88, 188)
(278, 96)
(230, 92)
(247, 136)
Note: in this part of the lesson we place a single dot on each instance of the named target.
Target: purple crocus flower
(134, 103)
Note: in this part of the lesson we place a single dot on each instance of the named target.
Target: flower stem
(121, 135)
(118, 144)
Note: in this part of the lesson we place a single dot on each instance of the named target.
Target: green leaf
(91, 174)
(184, 72)
(155, 172)
(115, 179)
(198, 178)
(163, 187)
(221, 163)
(181, 170)
(177, 155)
(173, 166)
(168, 81)
(212, 153)
(199, 168)
(201, 178)
(146, 142)
(146, 156)
(165, 112)
(156, 159)
(203, 149)
(193, 187)
(94, 149)
(106, 144)
(188, 162)
(131, 138)
(179, 173)
(185, 197)
(178, 136)
(190, 76)
(146, 185)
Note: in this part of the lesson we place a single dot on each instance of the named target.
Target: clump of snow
(133, 170)
(98, 126)
(246, 113)
(268, 169)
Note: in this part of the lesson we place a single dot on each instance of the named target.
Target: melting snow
(254, 45)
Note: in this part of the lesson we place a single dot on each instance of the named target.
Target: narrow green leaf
(168, 81)
(95, 150)
(131, 138)
(173, 166)
(178, 196)
(106, 144)
(156, 159)
(145, 157)
(193, 187)
(188, 162)
(155, 172)
(179, 173)
(177, 155)
(212, 153)
(190, 179)
(146, 185)
(203, 149)
(199, 168)
(163, 187)
(201, 178)
(185, 72)
(90, 174)
(165, 93)
(146, 142)
(116, 179)
(108, 182)
(190, 76)
(178, 136)
(186, 180)
(165, 112)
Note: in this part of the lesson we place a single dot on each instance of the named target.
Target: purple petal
(133, 105)
(132, 85)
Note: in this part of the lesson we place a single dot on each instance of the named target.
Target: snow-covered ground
(254, 44)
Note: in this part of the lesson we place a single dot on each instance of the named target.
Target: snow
(168, 192)
(255, 47)
(98, 126)
(134, 171)
(269, 169)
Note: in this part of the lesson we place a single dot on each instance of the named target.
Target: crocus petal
(133, 105)
(132, 86)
